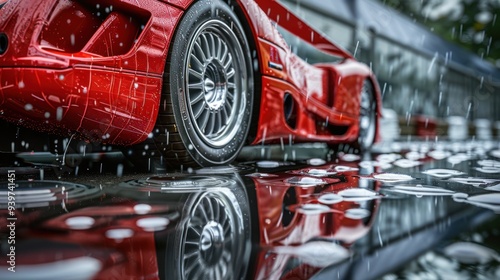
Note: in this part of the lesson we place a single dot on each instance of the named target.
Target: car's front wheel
(208, 93)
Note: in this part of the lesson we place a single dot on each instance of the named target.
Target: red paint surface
(95, 70)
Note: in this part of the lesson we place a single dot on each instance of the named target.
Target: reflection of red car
(299, 207)
(156, 228)
(195, 79)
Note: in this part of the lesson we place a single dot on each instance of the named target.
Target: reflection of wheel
(208, 92)
(212, 239)
(367, 117)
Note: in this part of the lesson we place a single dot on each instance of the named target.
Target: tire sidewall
(203, 153)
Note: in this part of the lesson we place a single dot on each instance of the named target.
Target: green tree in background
(472, 24)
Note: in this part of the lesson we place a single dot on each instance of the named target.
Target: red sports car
(194, 80)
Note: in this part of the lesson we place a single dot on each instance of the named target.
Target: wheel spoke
(198, 85)
(210, 128)
(229, 62)
(196, 61)
(206, 48)
(230, 74)
(199, 49)
(219, 48)
(225, 53)
(228, 106)
(195, 73)
(219, 122)
(204, 120)
(199, 110)
(213, 52)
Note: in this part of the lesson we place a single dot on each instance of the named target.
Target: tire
(208, 92)
(367, 117)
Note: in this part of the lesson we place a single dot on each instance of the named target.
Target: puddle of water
(343, 168)
(388, 157)
(495, 153)
(313, 209)
(439, 154)
(414, 155)
(406, 163)
(495, 188)
(420, 190)
(349, 157)
(490, 198)
(305, 181)
(371, 164)
(357, 213)
(489, 162)
(358, 194)
(119, 234)
(330, 198)
(316, 161)
(470, 253)
(316, 253)
(261, 175)
(80, 222)
(268, 164)
(458, 158)
(488, 169)
(476, 182)
(392, 177)
(316, 172)
(443, 173)
(153, 223)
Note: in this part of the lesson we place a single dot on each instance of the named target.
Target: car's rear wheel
(367, 117)
(208, 93)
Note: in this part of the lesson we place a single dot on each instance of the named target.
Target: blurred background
(437, 61)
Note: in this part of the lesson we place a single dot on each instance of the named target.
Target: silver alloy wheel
(215, 87)
(367, 117)
(211, 240)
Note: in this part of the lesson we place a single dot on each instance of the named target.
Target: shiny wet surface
(407, 210)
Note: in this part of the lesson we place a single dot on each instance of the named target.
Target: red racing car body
(197, 80)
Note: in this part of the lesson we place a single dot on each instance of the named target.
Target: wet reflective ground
(408, 210)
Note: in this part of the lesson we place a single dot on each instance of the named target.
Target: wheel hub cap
(212, 242)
